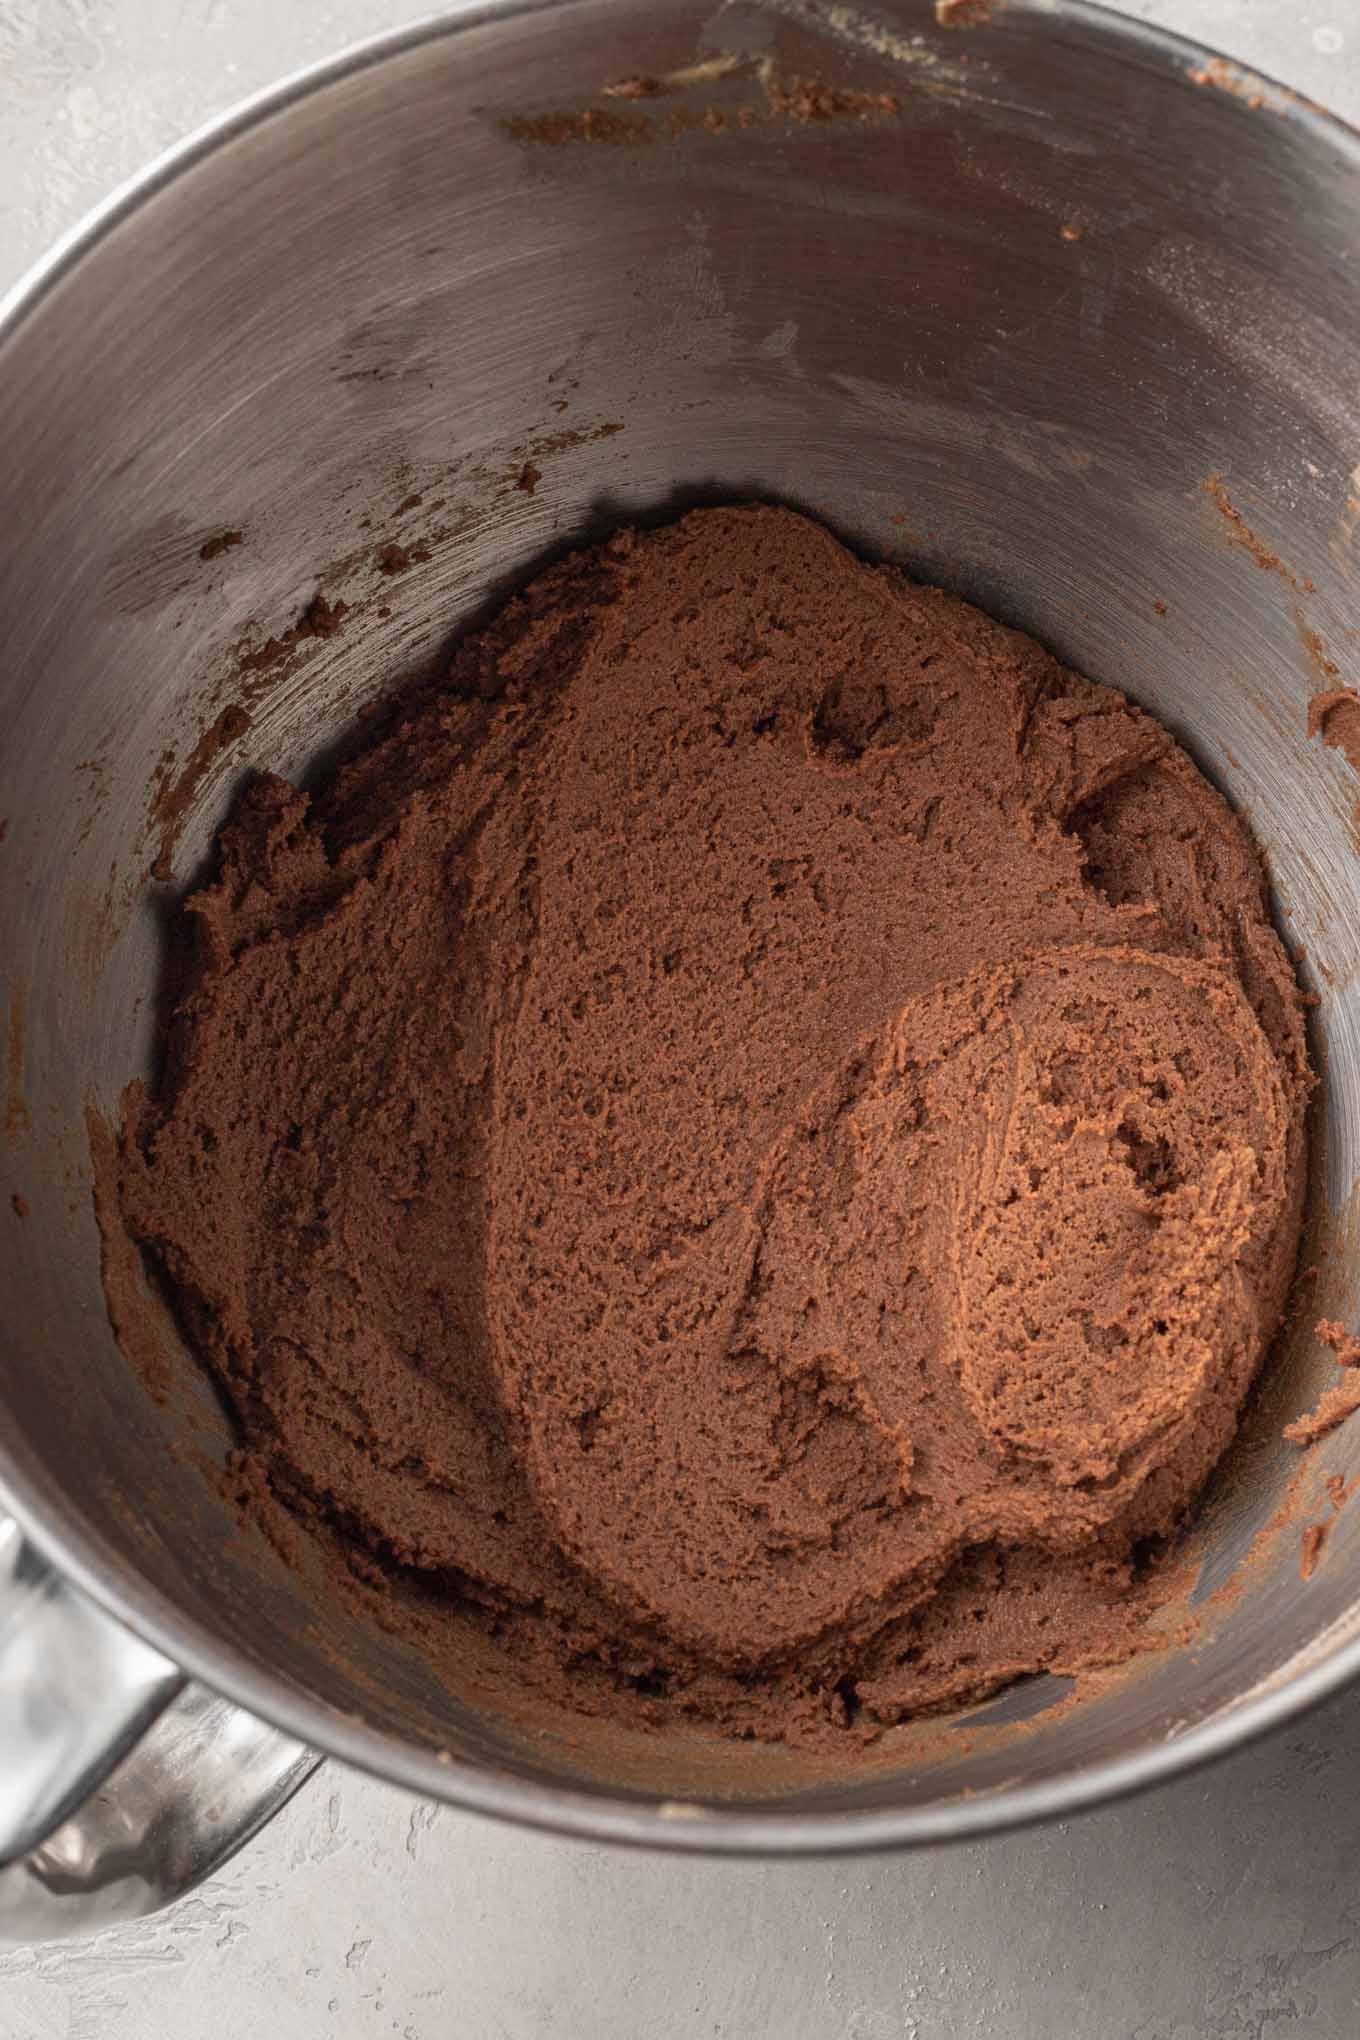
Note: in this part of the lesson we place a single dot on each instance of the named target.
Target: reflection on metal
(75, 1688)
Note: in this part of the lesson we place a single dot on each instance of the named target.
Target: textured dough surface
(754, 1139)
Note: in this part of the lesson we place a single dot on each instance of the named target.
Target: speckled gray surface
(1223, 1908)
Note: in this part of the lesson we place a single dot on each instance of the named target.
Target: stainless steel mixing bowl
(1009, 333)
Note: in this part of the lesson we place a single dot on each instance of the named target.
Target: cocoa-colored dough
(753, 1141)
(1341, 1400)
(1335, 717)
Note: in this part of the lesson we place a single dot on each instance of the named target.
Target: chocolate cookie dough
(753, 1142)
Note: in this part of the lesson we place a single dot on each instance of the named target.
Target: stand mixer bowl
(1055, 310)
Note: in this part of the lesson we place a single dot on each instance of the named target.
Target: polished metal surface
(200, 1782)
(78, 1690)
(1003, 336)
(121, 1788)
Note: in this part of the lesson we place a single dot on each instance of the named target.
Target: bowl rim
(36, 1502)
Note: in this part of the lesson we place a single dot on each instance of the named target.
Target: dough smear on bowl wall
(751, 1143)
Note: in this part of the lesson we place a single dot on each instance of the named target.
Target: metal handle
(121, 1786)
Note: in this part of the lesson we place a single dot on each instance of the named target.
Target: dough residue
(752, 1142)
(1339, 1401)
(1335, 717)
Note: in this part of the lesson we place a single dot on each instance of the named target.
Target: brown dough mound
(755, 1139)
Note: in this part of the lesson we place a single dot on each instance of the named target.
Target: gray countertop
(1225, 1907)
